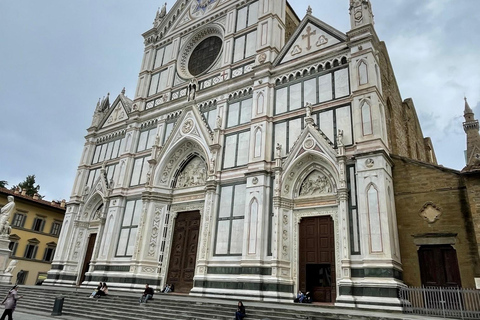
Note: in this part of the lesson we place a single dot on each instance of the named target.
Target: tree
(28, 185)
(3, 183)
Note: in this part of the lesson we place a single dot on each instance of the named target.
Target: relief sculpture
(194, 174)
(315, 184)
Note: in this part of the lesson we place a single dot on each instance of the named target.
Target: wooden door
(183, 254)
(439, 266)
(317, 258)
(88, 256)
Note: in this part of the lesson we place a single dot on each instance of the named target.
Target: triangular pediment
(312, 139)
(312, 35)
(117, 113)
(190, 133)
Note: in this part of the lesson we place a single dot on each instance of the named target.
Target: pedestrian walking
(10, 303)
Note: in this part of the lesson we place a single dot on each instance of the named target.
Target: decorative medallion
(309, 143)
(199, 7)
(187, 126)
(262, 57)
(430, 212)
(369, 163)
(255, 180)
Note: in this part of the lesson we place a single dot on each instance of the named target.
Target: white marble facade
(268, 133)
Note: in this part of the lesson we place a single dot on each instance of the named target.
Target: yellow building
(36, 225)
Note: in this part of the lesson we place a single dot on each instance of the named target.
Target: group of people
(101, 290)
(148, 292)
(303, 297)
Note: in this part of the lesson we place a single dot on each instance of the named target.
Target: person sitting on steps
(102, 292)
(241, 313)
(147, 294)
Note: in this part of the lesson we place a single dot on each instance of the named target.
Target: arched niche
(192, 173)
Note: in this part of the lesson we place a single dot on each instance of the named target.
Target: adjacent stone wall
(417, 184)
(404, 131)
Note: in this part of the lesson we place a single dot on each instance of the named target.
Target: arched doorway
(317, 258)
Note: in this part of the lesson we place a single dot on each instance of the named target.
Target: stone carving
(369, 163)
(262, 57)
(212, 165)
(309, 143)
(194, 174)
(175, 157)
(308, 110)
(430, 212)
(315, 184)
(155, 232)
(278, 151)
(187, 126)
(11, 266)
(192, 89)
(6, 212)
(160, 15)
(255, 180)
(219, 122)
(340, 138)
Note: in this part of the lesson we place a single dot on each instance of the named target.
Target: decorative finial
(123, 91)
(309, 10)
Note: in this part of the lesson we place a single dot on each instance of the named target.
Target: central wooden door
(88, 256)
(317, 258)
(183, 255)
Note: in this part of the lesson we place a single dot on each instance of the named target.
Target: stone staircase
(124, 305)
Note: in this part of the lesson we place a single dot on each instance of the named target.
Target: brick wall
(417, 183)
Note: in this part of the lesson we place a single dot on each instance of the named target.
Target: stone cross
(308, 35)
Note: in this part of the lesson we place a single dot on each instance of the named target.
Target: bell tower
(471, 127)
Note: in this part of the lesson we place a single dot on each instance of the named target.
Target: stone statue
(219, 122)
(308, 109)
(340, 138)
(163, 12)
(212, 165)
(192, 89)
(11, 266)
(6, 212)
(278, 150)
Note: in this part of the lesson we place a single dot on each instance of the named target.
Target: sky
(57, 58)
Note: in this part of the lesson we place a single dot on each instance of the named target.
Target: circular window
(204, 55)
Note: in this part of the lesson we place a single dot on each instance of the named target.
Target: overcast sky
(58, 57)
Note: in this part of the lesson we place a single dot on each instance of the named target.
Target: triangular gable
(312, 35)
(117, 113)
(191, 124)
(311, 139)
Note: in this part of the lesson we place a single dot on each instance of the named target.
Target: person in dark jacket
(10, 302)
(240, 314)
(147, 294)
(102, 292)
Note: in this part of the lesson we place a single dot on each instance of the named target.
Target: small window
(48, 255)
(56, 226)
(18, 220)
(245, 46)
(13, 248)
(239, 112)
(30, 251)
(38, 224)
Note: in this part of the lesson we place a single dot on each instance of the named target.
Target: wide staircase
(124, 305)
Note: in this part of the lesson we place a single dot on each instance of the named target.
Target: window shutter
(34, 252)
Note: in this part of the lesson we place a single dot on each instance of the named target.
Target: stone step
(120, 305)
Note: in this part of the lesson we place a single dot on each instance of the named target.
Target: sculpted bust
(6, 212)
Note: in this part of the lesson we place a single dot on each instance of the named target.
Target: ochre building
(36, 226)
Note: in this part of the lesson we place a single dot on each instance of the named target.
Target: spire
(361, 13)
(467, 107)
(160, 15)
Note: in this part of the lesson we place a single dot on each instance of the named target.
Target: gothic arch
(167, 169)
(362, 66)
(304, 165)
(94, 203)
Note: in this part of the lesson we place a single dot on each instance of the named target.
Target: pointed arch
(367, 123)
(260, 103)
(258, 142)
(253, 226)
(362, 69)
(374, 219)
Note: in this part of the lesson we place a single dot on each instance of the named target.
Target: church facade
(255, 160)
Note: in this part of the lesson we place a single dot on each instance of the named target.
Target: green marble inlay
(257, 286)
(369, 292)
(112, 268)
(240, 270)
(377, 273)
(154, 282)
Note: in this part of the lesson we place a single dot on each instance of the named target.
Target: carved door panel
(88, 256)
(317, 258)
(184, 251)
